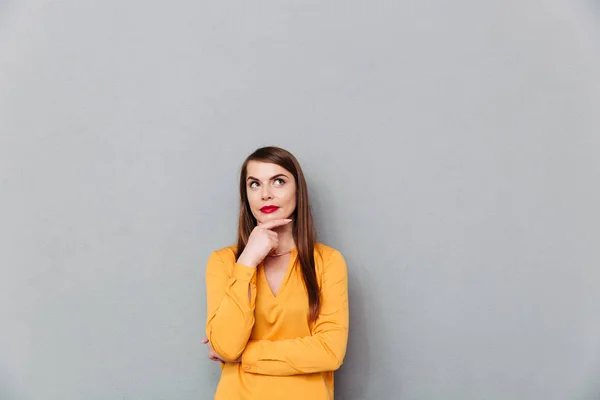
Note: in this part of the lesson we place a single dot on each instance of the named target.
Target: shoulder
(324, 252)
(329, 260)
(226, 253)
(224, 256)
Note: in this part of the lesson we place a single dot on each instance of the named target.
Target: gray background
(451, 150)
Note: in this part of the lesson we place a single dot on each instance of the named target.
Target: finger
(205, 340)
(275, 223)
(272, 235)
(215, 357)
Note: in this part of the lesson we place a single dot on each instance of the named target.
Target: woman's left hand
(215, 357)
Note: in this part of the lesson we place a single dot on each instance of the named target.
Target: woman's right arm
(230, 299)
(231, 291)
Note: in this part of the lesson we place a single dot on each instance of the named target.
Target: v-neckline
(285, 276)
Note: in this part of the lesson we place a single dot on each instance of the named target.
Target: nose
(266, 193)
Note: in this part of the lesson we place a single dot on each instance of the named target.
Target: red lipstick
(269, 209)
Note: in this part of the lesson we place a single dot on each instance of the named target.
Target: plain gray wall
(452, 152)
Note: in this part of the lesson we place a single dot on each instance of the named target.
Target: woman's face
(271, 191)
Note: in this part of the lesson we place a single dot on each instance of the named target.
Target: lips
(269, 209)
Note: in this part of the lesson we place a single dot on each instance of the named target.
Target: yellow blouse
(283, 355)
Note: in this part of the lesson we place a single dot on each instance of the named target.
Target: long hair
(303, 230)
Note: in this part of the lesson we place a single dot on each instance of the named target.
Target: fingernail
(287, 220)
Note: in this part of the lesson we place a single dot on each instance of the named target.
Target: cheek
(291, 199)
(252, 200)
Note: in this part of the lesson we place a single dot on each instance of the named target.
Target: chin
(270, 217)
(262, 218)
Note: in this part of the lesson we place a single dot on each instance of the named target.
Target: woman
(277, 301)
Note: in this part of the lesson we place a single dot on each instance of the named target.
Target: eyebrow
(273, 177)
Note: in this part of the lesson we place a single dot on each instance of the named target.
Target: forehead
(264, 170)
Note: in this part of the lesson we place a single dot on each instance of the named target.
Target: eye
(253, 185)
(279, 182)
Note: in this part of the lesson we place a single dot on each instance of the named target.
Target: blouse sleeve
(231, 295)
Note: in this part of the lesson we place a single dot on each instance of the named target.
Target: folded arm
(325, 349)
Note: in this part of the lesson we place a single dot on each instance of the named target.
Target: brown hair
(303, 230)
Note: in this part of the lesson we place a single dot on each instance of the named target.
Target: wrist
(244, 261)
